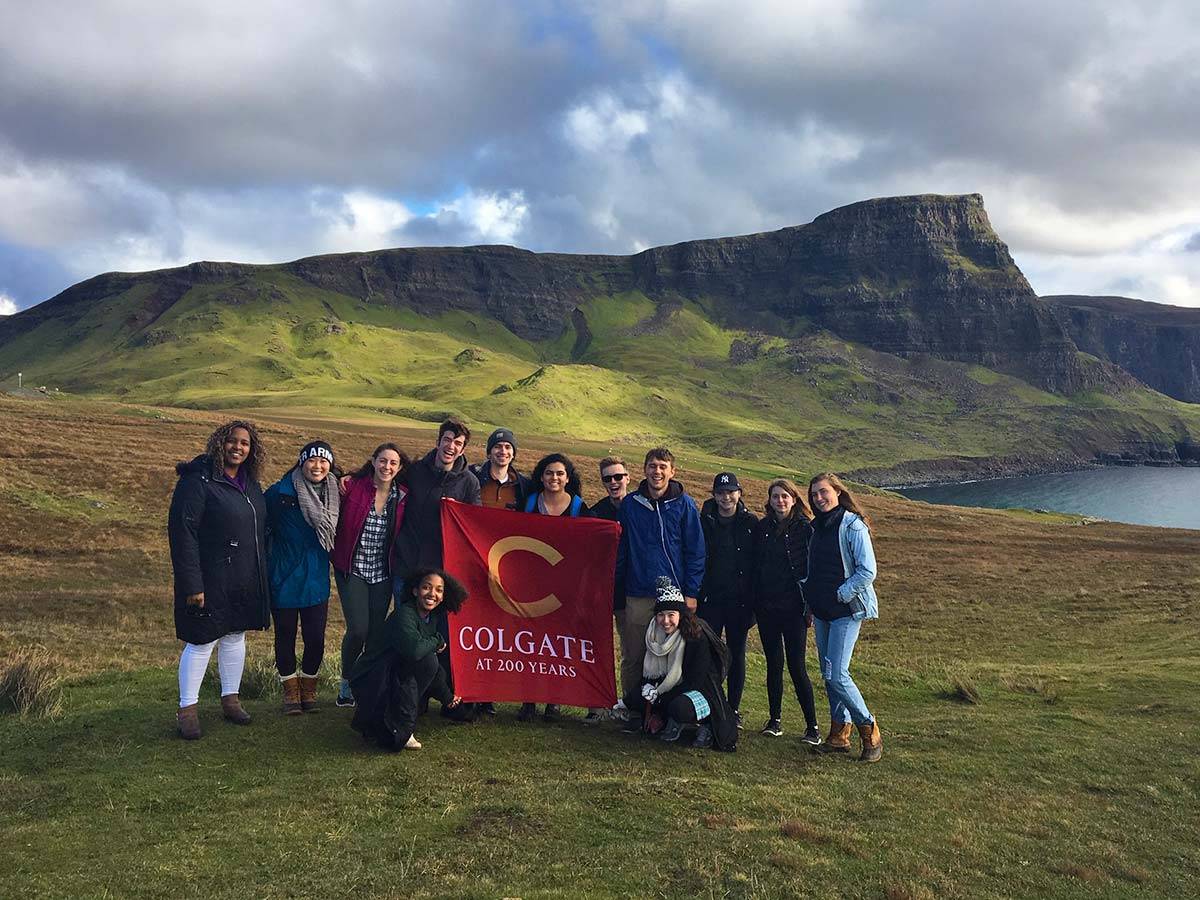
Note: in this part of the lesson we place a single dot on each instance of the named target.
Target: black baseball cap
(726, 481)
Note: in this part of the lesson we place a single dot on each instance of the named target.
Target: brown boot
(291, 695)
(308, 692)
(187, 722)
(838, 740)
(872, 743)
(232, 707)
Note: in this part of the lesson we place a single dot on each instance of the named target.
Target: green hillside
(642, 373)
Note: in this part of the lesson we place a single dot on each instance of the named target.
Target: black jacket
(604, 508)
(704, 671)
(218, 545)
(738, 567)
(781, 561)
(483, 474)
(419, 543)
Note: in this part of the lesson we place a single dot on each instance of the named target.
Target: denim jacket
(858, 563)
(858, 567)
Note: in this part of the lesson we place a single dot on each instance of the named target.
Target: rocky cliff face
(1157, 343)
(902, 275)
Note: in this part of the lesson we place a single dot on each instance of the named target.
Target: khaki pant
(637, 615)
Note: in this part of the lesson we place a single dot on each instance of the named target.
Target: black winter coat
(742, 563)
(419, 543)
(218, 546)
(704, 671)
(782, 562)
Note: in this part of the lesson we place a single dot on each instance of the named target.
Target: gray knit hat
(501, 434)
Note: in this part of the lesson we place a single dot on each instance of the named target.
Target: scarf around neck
(663, 664)
(319, 506)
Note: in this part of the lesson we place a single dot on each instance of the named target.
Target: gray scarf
(319, 505)
(663, 663)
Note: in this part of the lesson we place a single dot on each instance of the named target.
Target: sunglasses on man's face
(618, 477)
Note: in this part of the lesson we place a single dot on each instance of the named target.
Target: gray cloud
(150, 134)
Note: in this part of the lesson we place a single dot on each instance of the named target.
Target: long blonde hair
(845, 498)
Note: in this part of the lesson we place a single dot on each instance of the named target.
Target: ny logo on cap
(724, 479)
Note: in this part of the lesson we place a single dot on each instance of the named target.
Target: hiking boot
(872, 742)
(812, 735)
(773, 728)
(232, 708)
(308, 692)
(838, 740)
(412, 743)
(527, 712)
(291, 695)
(345, 697)
(671, 731)
(187, 722)
(551, 714)
(704, 738)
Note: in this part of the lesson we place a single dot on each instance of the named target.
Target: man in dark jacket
(501, 486)
(442, 472)
(727, 592)
(660, 536)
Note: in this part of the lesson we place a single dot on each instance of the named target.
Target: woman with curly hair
(216, 528)
(839, 593)
(558, 494)
(401, 663)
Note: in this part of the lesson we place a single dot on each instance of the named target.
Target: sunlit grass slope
(639, 375)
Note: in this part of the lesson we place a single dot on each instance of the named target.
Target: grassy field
(1034, 679)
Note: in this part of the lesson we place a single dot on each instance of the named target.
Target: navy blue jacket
(297, 564)
(660, 537)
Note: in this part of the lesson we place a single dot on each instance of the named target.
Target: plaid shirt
(370, 556)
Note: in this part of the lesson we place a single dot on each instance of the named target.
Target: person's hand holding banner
(538, 626)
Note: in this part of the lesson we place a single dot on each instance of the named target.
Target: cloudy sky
(138, 135)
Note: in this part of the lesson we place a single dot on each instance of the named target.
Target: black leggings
(735, 622)
(311, 620)
(785, 632)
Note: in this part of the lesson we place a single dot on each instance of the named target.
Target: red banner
(538, 626)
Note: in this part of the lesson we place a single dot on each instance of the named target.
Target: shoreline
(993, 469)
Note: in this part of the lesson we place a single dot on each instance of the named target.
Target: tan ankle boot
(291, 695)
(838, 740)
(232, 708)
(187, 722)
(872, 743)
(308, 692)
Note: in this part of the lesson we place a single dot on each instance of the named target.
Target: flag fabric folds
(538, 625)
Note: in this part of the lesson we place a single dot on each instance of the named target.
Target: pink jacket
(360, 497)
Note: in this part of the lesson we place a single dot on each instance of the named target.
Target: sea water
(1142, 495)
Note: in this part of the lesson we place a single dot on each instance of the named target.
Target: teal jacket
(297, 564)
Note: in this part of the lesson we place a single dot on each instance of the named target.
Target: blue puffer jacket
(660, 537)
(297, 564)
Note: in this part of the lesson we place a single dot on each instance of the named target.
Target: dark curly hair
(367, 469)
(453, 596)
(573, 485)
(255, 459)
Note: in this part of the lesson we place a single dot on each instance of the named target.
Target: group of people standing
(690, 583)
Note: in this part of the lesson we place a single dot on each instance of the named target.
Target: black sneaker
(488, 709)
(344, 698)
(812, 735)
(737, 717)
(551, 713)
(527, 712)
(773, 728)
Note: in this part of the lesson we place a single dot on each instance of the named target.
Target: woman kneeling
(682, 676)
(400, 664)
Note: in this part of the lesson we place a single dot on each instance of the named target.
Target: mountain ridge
(890, 333)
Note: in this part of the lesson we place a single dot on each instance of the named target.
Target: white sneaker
(412, 743)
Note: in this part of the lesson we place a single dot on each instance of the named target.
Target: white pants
(193, 663)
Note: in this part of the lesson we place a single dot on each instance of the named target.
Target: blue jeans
(835, 644)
